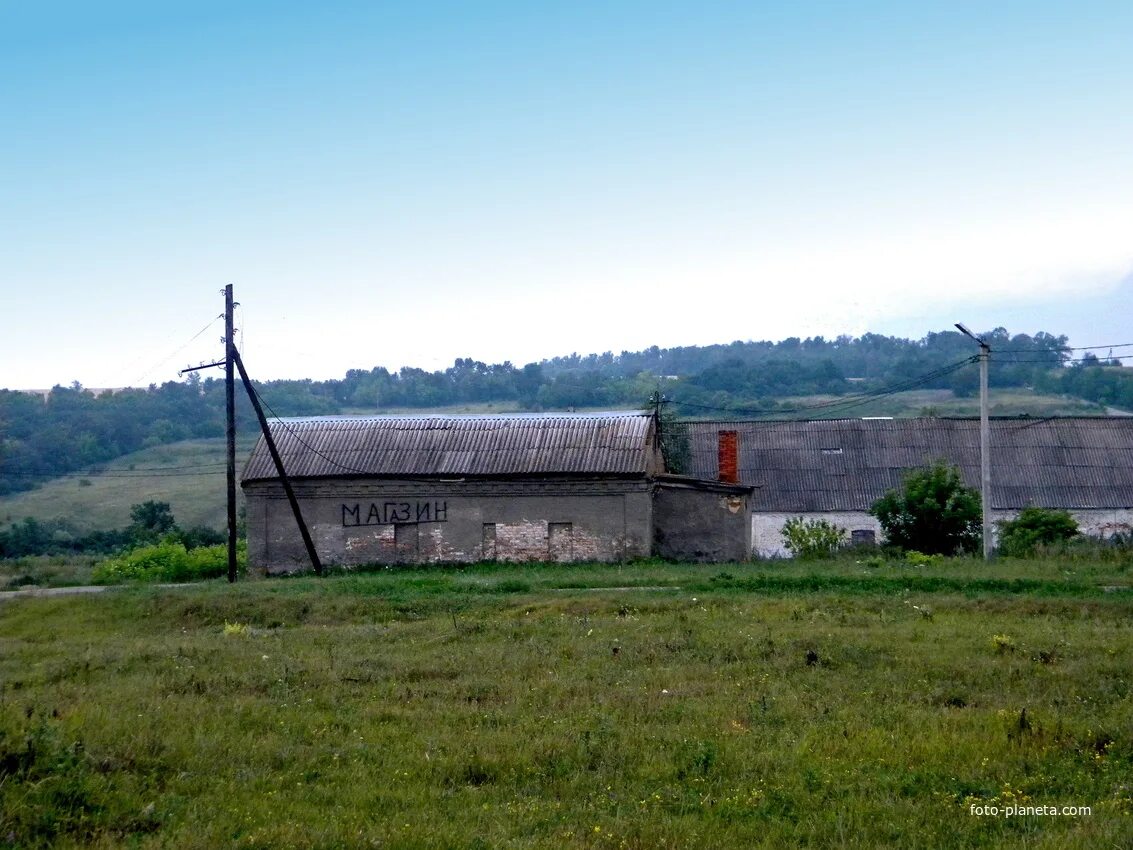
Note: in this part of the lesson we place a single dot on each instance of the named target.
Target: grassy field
(750, 705)
(47, 571)
(189, 475)
(1011, 402)
(1014, 402)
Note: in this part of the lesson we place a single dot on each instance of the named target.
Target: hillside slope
(189, 475)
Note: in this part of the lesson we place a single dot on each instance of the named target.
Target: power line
(302, 442)
(149, 472)
(173, 354)
(1094, 347)
(1086, 359)
(1061, 348)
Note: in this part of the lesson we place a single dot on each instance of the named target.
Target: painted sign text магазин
(391, 513)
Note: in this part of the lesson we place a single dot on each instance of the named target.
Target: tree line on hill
(72, 429)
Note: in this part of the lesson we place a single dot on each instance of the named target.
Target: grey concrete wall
(693, 523)
(355, 522)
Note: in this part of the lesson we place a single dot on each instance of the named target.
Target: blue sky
(402, 184)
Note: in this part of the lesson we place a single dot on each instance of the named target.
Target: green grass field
(1013, 402)
(749, 705)
(189, 475)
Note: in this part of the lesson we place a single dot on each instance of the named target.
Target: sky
(405, 183)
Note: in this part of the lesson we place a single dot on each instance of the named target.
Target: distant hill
(72, 430)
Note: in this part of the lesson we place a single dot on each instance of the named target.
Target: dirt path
(29, 592)
(52, 591)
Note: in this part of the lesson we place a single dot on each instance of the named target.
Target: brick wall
(355, 522)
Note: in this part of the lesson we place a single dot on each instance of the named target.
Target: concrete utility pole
(985, 440)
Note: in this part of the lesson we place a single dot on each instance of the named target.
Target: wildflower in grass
(1003, 643)
(236, 629)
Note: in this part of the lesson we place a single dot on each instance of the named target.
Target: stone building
(835, 469)
(459, 489)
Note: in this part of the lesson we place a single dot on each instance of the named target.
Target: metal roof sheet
(618, 443)
(1071, 462)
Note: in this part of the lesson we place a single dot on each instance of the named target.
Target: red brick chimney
(728, 455)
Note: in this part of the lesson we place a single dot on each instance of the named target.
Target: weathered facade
(458, 489)
(836, 469)
(701, 520)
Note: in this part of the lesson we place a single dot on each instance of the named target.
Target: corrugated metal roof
(846, 464)
(619, 443)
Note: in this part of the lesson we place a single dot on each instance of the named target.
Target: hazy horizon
(400, 184)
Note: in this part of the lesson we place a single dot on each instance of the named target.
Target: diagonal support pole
(307, 541)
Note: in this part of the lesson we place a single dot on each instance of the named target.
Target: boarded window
(863, 537)
(560, 545)
(488, 542)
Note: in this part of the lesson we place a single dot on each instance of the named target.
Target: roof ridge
(515, 415)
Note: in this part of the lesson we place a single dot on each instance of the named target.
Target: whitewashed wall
(767, 528)
(1105, 523)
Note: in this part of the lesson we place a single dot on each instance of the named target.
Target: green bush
(919, 559)
(811, 539)
(151, 521)
(168, 561)
(200, 535)
(1035, 527)
(933, 513)
(1084, 548)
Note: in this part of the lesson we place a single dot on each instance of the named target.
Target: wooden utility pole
(230, 363)
(230, 422)
(230, 425)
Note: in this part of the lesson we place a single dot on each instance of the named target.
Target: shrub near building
(810, 539)
(168, 561)
(933, 512)
(1035, 527)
